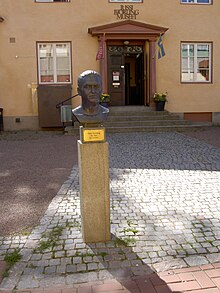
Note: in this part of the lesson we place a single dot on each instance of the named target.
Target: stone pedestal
(94, 191)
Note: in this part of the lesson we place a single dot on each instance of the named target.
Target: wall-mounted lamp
(1, 19)
(126, 42)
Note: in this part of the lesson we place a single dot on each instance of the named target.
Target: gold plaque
(93, 135)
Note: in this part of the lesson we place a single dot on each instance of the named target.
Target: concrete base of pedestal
(94, 191)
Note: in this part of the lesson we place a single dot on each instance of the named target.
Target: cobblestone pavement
(165, 215)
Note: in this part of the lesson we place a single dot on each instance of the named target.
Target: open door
(126, 75)
(134, 79)
(116, 82)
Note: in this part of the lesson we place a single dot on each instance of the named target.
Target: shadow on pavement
(136, 278)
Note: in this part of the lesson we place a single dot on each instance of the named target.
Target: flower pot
(104, 104)
(160, 105)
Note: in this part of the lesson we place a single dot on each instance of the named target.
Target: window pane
(52, 1)
(187, 76)
(63, 63)
(188, 63)
(203, 1)
(203, 51)
(46, 63)
(187, 50)
(202, 75)
(203, 63)
(197, 1)
(126, 0)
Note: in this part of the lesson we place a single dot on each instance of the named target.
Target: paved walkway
(165, 213)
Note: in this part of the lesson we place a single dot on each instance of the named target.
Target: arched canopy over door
(132, 31)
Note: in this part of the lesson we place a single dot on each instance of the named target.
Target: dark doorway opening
(134, 77)
(126, 75)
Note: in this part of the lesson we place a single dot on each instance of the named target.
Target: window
(54, 63)
(45, 1)
(196, 1)
(134, 1)
(196, 62)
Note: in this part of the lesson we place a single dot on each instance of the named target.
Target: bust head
(90, 89)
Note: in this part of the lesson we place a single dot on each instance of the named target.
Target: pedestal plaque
(88, 134)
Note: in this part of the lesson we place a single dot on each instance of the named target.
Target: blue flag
(161, 51)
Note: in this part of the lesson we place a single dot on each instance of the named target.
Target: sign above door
(126, 12)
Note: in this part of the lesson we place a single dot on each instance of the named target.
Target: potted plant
(104, 100)
(160, 99)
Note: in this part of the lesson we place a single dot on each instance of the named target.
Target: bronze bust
(90, 89)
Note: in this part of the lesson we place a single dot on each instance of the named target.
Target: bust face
(90, 90)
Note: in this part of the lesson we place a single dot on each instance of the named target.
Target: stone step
(138, 113)
(131, 109)
(129, 123)
(136, 117)
(70, 130)
(180, 128)
(140, 118)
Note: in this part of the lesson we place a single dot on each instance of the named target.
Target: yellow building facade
(46, 44)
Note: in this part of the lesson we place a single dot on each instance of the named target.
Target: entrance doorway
(126, 75)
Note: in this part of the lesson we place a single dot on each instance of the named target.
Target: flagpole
(154, 53)
(156, 48)
(103, 67)
(104, 60)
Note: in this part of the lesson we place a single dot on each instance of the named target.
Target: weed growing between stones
(126, 241)
(74, 224)
(86, 254)
(130, 223)
(26, 231)
(130, 241)
(83, 255)
(52, 238)
(103, 254)
(133, 230)
(11, 259)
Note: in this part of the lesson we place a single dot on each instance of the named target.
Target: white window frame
(54, 62)
(126, 1)
(195, 2)
(195, 68)
(50, 1)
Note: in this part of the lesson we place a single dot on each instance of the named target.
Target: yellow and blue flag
(161, 51)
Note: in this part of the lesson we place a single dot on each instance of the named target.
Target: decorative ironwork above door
(125, 49)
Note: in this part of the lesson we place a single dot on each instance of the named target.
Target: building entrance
(126, 75)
